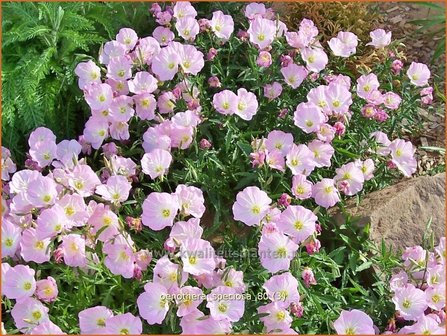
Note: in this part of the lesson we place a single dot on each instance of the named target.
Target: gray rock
(399, 214)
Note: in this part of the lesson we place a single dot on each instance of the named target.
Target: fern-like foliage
(42, 44)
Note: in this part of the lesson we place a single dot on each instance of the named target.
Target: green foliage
(42, 44)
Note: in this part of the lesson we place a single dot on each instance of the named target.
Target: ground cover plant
(196, 199)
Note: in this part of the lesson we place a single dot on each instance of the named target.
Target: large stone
(399, 214)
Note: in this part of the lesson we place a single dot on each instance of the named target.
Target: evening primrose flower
(29, 312)
(339, 98)
(184, 9)
(402, 154)
(410, 302)
(128, 37)
(88, 73)
(279, 140)
(367, 84)
(43, 153)
(225, 102)
(153, 303)
(251, 206)
(163, 35)
(159, 210)
(322, 153)
(282, 289)
(119, 257)
(247, 104)
(96, 131)
(46, 289)
(167, 273)
(275, 317)
(93, 320)
(276, 250)
(380, 38)
(98, 96)
(300, 160)
(418, 73)
(41, 192)
(11, 235)
(73, 250)
(119, 68)
(197, 256)
(325, 193)
(301, 187)
(261, 32)
(354, 322)
(316, 59)
(308, 117)
(367, 168)
(224, 304)
(46, 328)
(184, 230)
(145, 105)
(344, 45)
(294, 74)
(19, 282)
(273, 90)
(34, 249)
(435, 296)
(116, 190)
(187, 28)
(297, 222)
(165, 63)
(351, 174)
(156, 163)
(191, 200)
(51, 222)
(188, 299)
(124, 324)
(426, 325)
(222, 25)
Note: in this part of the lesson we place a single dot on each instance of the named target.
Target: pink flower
(51, 222)
(435, 296)
(191, 200)
(344, 44)
(187, 28)
(247, 104)
(426, 325)
(326, 133)
(272, 91)
(391, 100)
(159, 210)
(165, 63)
(254, 10)
(225, 102)
(224, 304)
(279, 140)
(96, 131)
(163, 18)
(298, 222)
(19, 282)
(46, 289)
(294, 74)
(88, 73)
(300, 160)
(402, 154)
(275, 160)
(167, 274)
(156, 163)
(283, 289)
(380, 38)
(339, 128)
(93, 320)
(112, 49)
(147, 48)
(41, 192)
(315, 58)
(127, 37)
(145, 105)
(119, 257)
(308, 117)
(84, 180)
(369, 111)
(46, 328)
(351, 174)
(28, 313)
(264, 59)
(418, 73)
(339, 98)
(214, 82)
(308, 277)
(410, 302)
(124, 324)
(275, 317)
(367, 168)
(98, 96)
(276, 251)
(73, 250)
(116, 190)
(354, 322)
(119, 68)
(184, 230)
(43, 153)
(325, 193)
(197, 256)
(251, 206)
(322, 153)
(188, 299)
(396, 66)
(11, 235)
(184, 9)
(143, 82)
(301, 187)
(33, 248)
(262, 32)
(367, 84)
(163, 35)
(222, 25)
(153, 303)
(212, 53)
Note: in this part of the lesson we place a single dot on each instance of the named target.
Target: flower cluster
(106, 201)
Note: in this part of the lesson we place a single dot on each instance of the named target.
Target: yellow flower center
(399, 153)
(406, 304)
(102, 133)
(124, 331)
(226, 105)
(256, 210)
(350, 331)
(166, 213)
(298, 225)
(299, 190)
(192, 260)
(101, 322)
(121, 73)
(366, 88)
(347, 176)
(69, 210)
(145, 102)
(27, 286)
(436, 298)
(336, 103)
(102, 98)
(39, 245)
(261, 37)
(9, 242)
(280, 316)
(328, 189)
(47, 156)
(228, 283)
(107, 220)
(171, 66)
(46, 198)
(186, 64)
(37, 315)
(311, 59)
(222, 307)
(281, 252)
(309, 123)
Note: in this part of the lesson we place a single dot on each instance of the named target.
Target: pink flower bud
(297, 309)
(177, 92)
(318, 228)
(381, 115)
(285, 60)
(155, 8)
(193, 104)
(58, 255)
(427, 100)
(86, 147)
(214, 82)
(170, 245)
(134, 223)
(264, 59)
(313, 246)
(143, 259)
(314, 76)
(308, 277)
(205, 144)
(391, 165)
(284, 200)
(257, 159)
(283, 113)
(204, 25)
(396, 66)
(243, 35)
(137, 272)
(340, 128)
(211, 54)
(109, 149)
